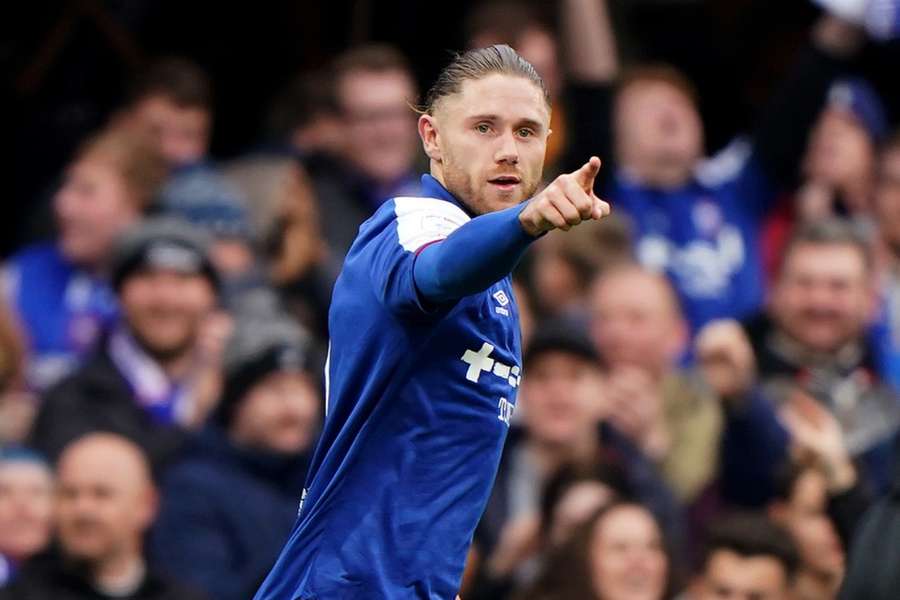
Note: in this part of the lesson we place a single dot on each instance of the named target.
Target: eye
(525, 132)
(482, 128)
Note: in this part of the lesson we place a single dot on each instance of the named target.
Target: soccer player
(425, 353)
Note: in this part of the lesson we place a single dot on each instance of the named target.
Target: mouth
(505, 183)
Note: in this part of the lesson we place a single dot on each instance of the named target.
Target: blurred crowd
(709, 405)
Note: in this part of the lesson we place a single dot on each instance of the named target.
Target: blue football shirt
(418, 404)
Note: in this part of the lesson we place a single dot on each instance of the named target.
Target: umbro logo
(503, 300)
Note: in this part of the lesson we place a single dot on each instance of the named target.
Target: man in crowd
(640, 334)
(258, 445)
(747, 557)
(142, 381)
(106, 501)
(374, 89)
(59, 290)
(813, 339)
(26, 508)
(695, 220)
(562, 407)
(172, 102)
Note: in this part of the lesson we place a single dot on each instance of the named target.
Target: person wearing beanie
(259, 442)
(142, 381)
(561, 421)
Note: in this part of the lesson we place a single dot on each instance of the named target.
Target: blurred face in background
(181, 132)
(105, 500)
(804, 516)
(26, 508)
(823, 298)
(840, 152)
(731, 576)
(165, 309)
(659, 134)
(635, 320)
(560, 397)
(92, 208)
(628, 559)
(279, 414)
(887, 197)
(487, 142)
(380, 127)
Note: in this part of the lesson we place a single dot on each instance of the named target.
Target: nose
(507, 149)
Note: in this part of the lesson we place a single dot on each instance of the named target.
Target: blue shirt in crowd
(704, 235)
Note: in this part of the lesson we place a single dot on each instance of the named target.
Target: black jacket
(97, 397)
(47, 578)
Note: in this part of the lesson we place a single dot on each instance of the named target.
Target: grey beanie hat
(162, 243)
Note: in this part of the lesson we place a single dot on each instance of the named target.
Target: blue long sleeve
(473, 257)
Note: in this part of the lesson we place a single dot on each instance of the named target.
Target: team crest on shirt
(503, 300)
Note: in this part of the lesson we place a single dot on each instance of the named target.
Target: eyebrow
(526, 122)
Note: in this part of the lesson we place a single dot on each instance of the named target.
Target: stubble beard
(460, 184)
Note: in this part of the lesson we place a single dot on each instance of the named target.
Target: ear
(430, 135)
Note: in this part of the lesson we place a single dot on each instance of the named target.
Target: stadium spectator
(172, 102)
(140, 383)
(259, 444)
(374, 90)
(305, 118)
(564, 264)
(203, 197)
(747, 556)
(287, 229)
(886, 211)
(619, 554)
(813, 338)
(106, 501)
(58, 290)
(696, 220)
(838, 167)
(800, 508)
(561, 412)
(26, 508)
(640, 334)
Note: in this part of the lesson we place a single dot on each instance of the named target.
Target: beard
(477, 194)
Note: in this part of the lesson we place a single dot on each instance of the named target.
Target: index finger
(587, 173)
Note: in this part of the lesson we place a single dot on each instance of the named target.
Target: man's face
(730, 576)
(26, 508)
(92, 208)
(380, 127)
(634, 321)
(560, 398)
(487, 142)
(181, 132)
(659, 135)
(627, 557)
(887, 197)
(104, 502)
(839, 151)
(279, 414)
(823, 297)
(804, 516)
(165, 309)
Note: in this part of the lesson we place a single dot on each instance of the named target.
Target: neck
(121, 574)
